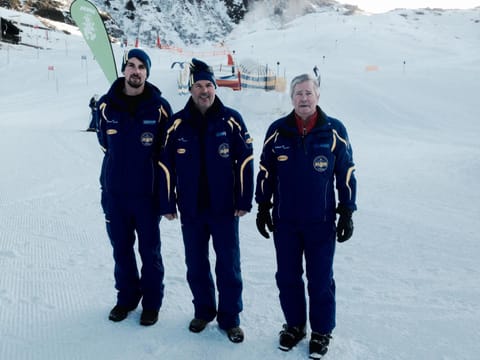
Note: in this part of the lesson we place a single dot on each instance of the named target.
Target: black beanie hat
(140, 55)
(200, 71)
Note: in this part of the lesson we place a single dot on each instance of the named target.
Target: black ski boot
(319, 345)
(290, 336)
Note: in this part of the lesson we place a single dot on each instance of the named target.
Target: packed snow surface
(405, 84)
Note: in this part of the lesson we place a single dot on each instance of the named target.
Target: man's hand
(344, 224)
(264, 220)
(240, 213)
(170, 216)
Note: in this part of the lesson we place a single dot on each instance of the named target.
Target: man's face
(135, 73)
(305, 99)
(203, 94)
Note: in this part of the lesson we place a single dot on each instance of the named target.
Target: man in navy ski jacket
(208, 174)
(306, 157)
(132, 117)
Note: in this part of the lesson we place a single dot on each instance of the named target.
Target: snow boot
(119, 313)
(149, 317)
(290, 336)
(197, 325)
(235, 334)
(319, 345)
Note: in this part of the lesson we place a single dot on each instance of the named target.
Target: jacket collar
(191, 113)
(290, 124)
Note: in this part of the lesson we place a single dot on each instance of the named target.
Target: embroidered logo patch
(320, 163)
(147, 139)
(282, 158)
(181, 151)
(111, 131)
(224, 150)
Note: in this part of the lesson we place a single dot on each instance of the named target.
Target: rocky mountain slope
(177, 22)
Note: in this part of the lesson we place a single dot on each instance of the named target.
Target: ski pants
(128, 217)
(315, 242)
(225, 240)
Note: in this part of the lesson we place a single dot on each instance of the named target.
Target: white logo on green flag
(88, 20)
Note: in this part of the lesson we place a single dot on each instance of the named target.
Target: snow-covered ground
(408, 282)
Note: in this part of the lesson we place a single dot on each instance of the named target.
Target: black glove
(344, 224)
(264, 219)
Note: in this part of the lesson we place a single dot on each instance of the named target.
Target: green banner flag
(88, 20)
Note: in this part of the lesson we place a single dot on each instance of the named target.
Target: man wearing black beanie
(132, 117)
(208, 173)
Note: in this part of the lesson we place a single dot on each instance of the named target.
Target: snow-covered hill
(405, 84)
(179, 22)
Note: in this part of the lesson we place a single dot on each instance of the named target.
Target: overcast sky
(385, 5)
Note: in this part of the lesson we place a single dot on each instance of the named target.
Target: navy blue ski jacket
(130, 132)
(213, 153)
(301, 172)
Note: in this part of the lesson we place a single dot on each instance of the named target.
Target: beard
(135, 82)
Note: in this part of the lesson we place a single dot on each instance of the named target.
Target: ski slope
(406, 86)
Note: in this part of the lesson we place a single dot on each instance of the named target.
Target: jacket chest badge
(146, 139)
(282, 158)
(320, 163)
(224, 150)
(111, 131)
